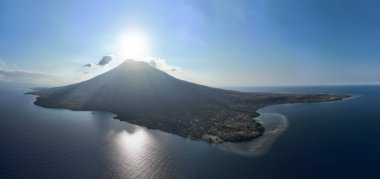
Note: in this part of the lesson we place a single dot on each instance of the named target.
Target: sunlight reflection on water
(131, 150)
(137, 152)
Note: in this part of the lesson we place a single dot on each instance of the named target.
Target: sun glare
(134, 45)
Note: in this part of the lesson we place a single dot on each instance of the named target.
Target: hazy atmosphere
(193, 89)
(261, 42)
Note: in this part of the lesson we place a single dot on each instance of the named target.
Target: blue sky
(217, 43)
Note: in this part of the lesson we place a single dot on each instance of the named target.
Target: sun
(134, 44)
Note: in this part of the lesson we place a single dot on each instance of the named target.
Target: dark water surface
(323, 140)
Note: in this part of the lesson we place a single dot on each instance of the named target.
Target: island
(140, 94)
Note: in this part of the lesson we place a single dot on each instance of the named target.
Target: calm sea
(323, 140)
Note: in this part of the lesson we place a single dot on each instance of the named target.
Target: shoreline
(228, 133)
(276, 124)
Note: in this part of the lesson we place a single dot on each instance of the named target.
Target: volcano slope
(140, 94)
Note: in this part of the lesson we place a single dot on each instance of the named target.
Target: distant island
(140, 94)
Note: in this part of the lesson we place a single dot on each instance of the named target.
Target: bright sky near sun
(215, 42)
(133, 44)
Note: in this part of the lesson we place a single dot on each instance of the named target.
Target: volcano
(140, 94)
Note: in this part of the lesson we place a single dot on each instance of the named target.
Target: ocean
(322, 140)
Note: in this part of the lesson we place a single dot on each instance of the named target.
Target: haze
(216, 43)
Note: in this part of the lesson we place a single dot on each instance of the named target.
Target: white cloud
(160, 64)
(88, 65)
(106, 59)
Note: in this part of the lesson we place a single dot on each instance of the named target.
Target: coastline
(275, 125)
(231, 131)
